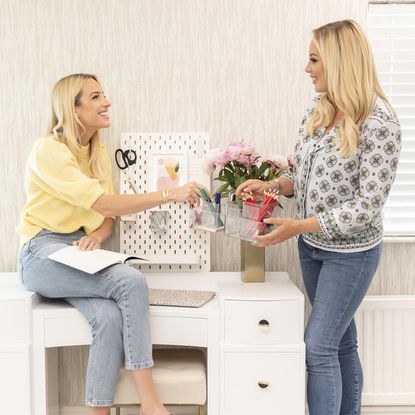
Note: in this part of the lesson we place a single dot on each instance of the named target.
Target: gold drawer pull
(263, 384)
(264, 324)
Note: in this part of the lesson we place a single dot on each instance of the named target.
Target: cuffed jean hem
(100, 403)
(135, 366)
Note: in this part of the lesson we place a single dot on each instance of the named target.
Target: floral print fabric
(346, 194)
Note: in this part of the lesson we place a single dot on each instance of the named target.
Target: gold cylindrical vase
(252, 263)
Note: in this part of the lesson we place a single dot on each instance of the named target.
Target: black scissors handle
(125, 158)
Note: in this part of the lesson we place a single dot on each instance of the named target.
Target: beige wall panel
(232, 68)
(72, 371)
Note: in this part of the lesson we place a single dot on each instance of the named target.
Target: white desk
(263, 363)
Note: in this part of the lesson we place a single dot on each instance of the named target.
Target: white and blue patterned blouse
(346, 194)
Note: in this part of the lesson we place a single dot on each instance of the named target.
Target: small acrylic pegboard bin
(206, 218)
(244, 220)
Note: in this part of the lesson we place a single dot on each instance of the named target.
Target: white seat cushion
(179, 376)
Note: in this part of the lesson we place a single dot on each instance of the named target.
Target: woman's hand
(286, 229)
(188, 192)
(254, 186)
(88, 243)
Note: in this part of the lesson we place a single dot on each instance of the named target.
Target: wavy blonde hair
(65, 124)
(352, 82)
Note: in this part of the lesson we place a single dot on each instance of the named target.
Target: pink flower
(279, 161)
(213, 160)
(291, 160)
(241, 153)
(234, 148)
(222, 159)
(248, 150)
(244, 159)
(239, 162)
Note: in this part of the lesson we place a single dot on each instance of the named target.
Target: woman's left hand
(88, 243)
(286, 229)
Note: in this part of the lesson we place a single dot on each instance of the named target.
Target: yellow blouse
(61, 190)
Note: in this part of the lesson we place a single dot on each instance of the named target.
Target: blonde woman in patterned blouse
(345, 163)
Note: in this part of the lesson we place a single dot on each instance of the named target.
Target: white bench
(179, 376)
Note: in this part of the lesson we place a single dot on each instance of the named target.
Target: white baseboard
(388, 410)
(366, 410)
(83, 410)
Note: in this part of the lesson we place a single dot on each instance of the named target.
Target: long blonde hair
(65, 124)
(352, 82)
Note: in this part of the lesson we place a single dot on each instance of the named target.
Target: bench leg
(117, 410)
(202, 410)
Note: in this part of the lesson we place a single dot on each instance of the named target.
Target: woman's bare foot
(95, 410)
(150, 401)
(155, 410)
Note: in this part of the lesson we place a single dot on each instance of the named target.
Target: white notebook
(91, 261)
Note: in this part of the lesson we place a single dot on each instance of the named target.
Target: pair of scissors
(125, 159)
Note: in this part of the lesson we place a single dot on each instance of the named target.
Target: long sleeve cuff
(328, 224)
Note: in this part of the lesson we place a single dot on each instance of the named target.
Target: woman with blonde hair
(345, 163)
(70, 201)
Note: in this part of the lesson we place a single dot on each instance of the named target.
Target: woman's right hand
(188, 192)
(253, 186)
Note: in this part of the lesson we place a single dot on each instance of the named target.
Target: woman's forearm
(118, 205)
(310, 224)
(284, 184)
(104, 231)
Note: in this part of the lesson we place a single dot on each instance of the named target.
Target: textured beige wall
(233, 68)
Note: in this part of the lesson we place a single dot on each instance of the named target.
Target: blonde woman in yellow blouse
(70, 201)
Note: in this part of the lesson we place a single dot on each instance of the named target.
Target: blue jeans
(114, 301)
(336, 284)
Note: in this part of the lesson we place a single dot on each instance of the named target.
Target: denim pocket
(23, 255)
(42, 246)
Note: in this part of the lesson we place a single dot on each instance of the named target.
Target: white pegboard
(180, 248)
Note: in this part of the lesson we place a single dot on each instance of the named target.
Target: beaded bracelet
(277, 185)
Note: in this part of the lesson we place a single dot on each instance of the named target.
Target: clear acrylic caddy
(244, 220)
(206, 218)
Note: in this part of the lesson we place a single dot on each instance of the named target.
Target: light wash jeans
(114, 301)
(336, 284)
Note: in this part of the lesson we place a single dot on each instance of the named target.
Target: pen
(207, 200)
(217, 210)
(217, 202)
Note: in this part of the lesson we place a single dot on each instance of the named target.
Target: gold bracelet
(165, 195)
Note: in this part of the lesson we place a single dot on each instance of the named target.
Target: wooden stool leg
(202, 410)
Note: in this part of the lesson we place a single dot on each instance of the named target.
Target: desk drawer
(66, 331)
(14, 324)
(263, 322)
(181, 331)
(264, 383)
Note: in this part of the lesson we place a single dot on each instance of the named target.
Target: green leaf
(239, 181)
(223, 188)
(254, 172)
(262, 168)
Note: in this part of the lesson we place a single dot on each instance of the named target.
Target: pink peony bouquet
(240, 162)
